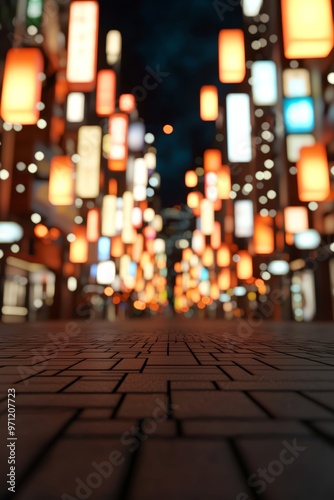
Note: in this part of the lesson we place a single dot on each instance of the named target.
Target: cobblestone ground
(182, 410)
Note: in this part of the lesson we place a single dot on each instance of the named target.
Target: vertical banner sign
(82, 45)
(88, 167)
(118, 133)
(238, 122)
(61, 181)
(20, 95)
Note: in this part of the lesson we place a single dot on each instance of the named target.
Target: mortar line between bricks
(64, 369)
(124, 489)
(114, 366)
(225, 373)
(69, 384)
(179, 428)
(144, 364)
(115, 410)
(31, 376)
(318, 432)
(326, 407)
(119, 383)
(192, 352)
(41, 456)
(243, 468)
(263, 408)
(267, 364)
(243, 368)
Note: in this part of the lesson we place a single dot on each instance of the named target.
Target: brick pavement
(178, 410)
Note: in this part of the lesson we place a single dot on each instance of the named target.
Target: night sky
(180, 38)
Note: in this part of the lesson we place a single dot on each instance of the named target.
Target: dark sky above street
(180, 38)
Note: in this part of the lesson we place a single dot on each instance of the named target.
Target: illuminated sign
(82, 45)
(10, 232)
(307, 28)
(264, 83)
(61, 182)
(88, 167)
(239, 141)
(243, 219)
(231, 54)
(21, 95)
(298, 115)
(118, 134)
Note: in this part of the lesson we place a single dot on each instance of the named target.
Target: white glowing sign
(88, 168)
(239, 142)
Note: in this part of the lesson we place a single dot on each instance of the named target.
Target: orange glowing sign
(224, 279)
(223, 256)
(231, 52)
(264, 241)
(244, 265)
(216, 236)
(21, 94)
(191, 179)
(61, 182)
(307, 28)
(79, 248)
(313, 173)
(212, 160)
(93, 225)
(224, 182)
(105, 92)
(127, 103)
(209, 103)
(82, 45)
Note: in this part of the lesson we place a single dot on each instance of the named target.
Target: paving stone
(199, 385)
(95, 414)
(68, 400)
(92, 387)
(130, 364)
(275, 385)
(76, 457)
(143, 405)
(96, 428)
(290, 405)
(212, 475)
(196, 404)
(138, 382)
(307, 477)
(231, 428)
(172, 360)
(93, 365)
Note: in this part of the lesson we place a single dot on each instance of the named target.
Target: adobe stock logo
(150, 82)
(262, 477)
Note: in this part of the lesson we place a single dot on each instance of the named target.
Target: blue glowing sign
(103, 248)
(298, 115)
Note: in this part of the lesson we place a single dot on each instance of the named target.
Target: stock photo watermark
(260, 479)
(150, 82)
(131, 438)
(226, 7)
